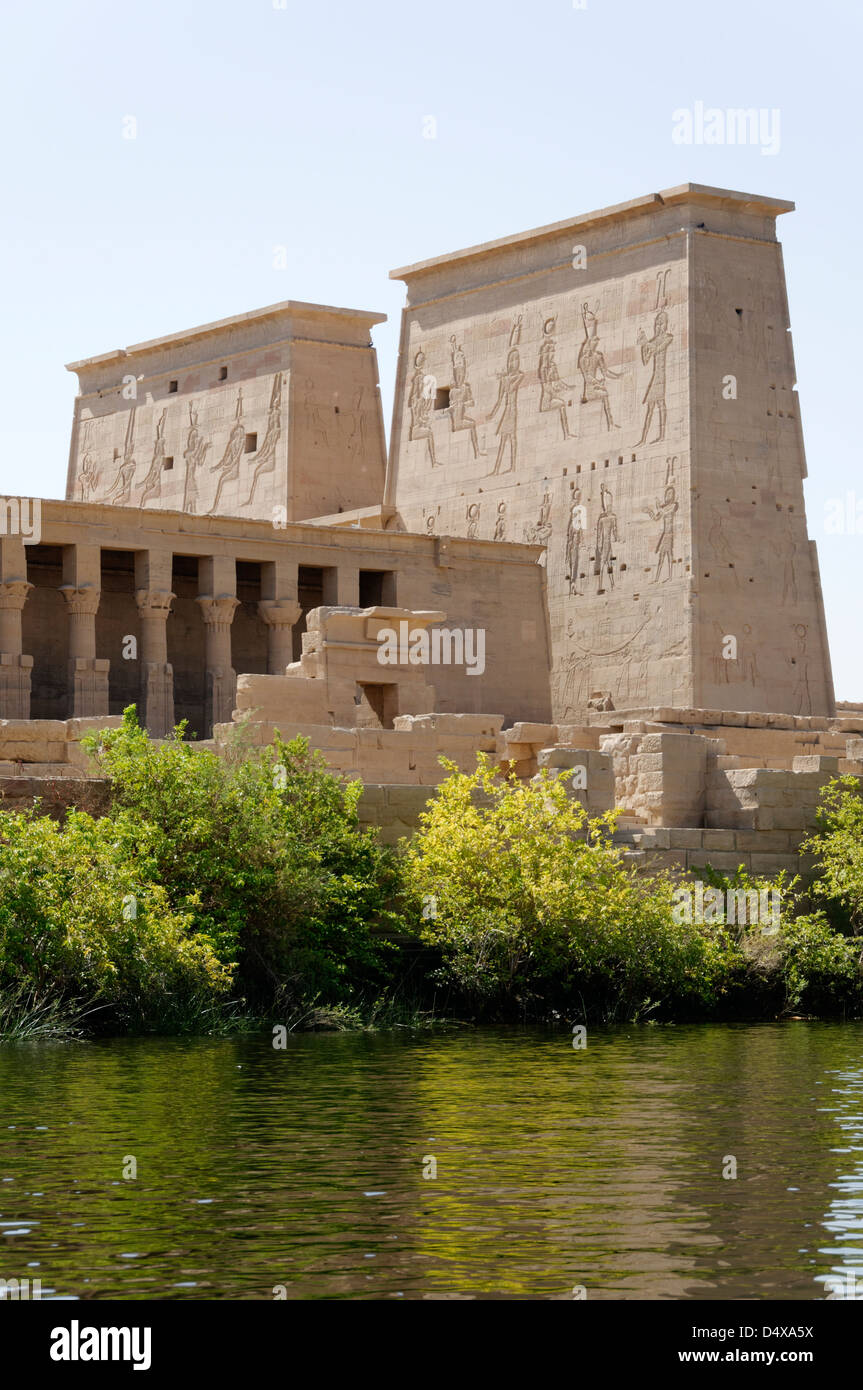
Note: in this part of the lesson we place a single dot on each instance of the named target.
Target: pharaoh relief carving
(420, 405)
(266, 459)
(507, 403)
(665, 512)
(461, 397)
(552, 388)
(575, 528)
(122, 489)
(315, 427)
(352, 426)
(800, 671)
(500, 523)
(228, 467)
(472, 517)
(789, 556)
(593, 367)
(606, 537)
(194, 454)
(655, 351)
(718, 542)
(573, 680)
(88, 480)
(153, 481)
(540, 533)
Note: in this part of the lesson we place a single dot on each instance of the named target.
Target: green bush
(528, 901)
(837, 845)
(263, 852)
(81, 924)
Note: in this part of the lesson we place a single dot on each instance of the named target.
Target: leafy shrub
(262, 851)
(81, 924)
(528, 900)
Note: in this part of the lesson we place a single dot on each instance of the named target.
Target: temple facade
(595, 467)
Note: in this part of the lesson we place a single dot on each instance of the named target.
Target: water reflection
(556, 1168)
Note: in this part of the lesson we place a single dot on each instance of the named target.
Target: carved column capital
(154, 603)
(83, 601)
(279, 612)
(13, 594)
(218, 612)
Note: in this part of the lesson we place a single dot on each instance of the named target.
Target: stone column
(221, 691)
(157, 676)
(15, 667)
(280, 615)
(88, 675)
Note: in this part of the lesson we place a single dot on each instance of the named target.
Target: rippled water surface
(556, 1168)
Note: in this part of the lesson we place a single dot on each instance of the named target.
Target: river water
(607, 1169)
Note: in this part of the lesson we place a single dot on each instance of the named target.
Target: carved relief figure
(122, 489)
(88, 479)
(507, 402)
(593, 368)
(500, 523)
(194, 454)
(655, 350)
(472, 515)
(461, 396)
(789, 561)
(540, 533)
(800, 664)
(153, 481)
(229, 464)
(574, 534)
(314, 424)
(665, 512)
(606, 535)
(551, 386)
(266, 462)
(353, 425)
(420, 403)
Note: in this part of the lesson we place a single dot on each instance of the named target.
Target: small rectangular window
(172, 385)
(441, 398)
(223, 374)
(169, 463)
(251, 443)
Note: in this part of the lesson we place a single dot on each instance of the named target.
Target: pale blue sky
(302, 127)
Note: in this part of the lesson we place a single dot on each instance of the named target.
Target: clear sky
(306, 128)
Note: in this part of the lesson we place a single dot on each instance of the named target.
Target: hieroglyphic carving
(500, 523)
(461, 396)
(420, 405)
(230, 463)
(593, 367)
(655, 350)
(88, 480)
(472, 516)
(606, 535)
(665, 512)
(575, 529)
(266, 460)
(551, 385)
(315, 426)
(540, 533)
(800, 664)
(122, 489)
(153, 481)
(717, 539)
(507, 402)
(353, 428)
(789, 554)
(194, 454)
